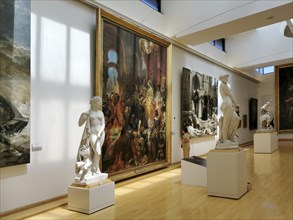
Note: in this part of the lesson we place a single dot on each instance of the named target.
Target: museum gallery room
(146, 109)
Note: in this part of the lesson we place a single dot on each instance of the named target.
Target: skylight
(154, 4)
(265, 70)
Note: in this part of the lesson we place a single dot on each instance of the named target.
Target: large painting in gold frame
(284, 97)
(132, 77)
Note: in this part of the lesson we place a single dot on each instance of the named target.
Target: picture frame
(199, 104)
(133, 77)
(284, 97)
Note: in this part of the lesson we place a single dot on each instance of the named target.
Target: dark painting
(134, 100)
(199, 103)
(14, 82)
(252, 114)
(285, 97)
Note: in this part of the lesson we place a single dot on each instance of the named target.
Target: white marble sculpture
(266, 118)
(88, 157)
(229, 122)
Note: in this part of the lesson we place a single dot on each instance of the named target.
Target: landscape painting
(14, 82)
(134, 77)
(199, 103)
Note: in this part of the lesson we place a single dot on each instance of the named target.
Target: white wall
(62, 68)
(62, 71)
(242, 88)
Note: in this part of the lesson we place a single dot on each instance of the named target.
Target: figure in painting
(266, 118)
(87, 164)
(229, 122)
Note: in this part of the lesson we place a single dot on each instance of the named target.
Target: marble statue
(88, 157)
(230, 120)
(266, 118)
(186, 143)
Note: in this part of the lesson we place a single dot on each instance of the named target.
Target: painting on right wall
(252, 114)
(284, 97)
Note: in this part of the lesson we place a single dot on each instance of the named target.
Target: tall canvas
(14, 82)
(134, 91)
(284, 95)
(199, 103)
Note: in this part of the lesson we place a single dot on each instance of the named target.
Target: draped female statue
(230, 120)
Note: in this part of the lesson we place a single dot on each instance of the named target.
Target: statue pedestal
(92, 179)
(265, 142)
(91, 198)
(194, 171)
(227, 173)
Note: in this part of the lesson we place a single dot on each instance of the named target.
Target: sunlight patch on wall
(79, 58)
(53, 47)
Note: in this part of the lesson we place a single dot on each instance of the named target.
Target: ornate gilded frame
(105, 18)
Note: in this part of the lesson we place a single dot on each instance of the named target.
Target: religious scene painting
(14, 82)
(199, 103)
(134, 100)
(284, 91)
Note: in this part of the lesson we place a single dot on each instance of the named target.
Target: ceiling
(210, 29)
(194, 22)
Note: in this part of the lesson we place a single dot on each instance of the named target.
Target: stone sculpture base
(91, 198)
(227, 173)
(265, 142)
(227, 146)
(92, 179)
(194, 171)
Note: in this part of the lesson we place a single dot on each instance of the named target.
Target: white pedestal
(193, 173)
(265, 142)
(91, 198)
(227, 173)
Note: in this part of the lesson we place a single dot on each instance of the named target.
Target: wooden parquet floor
(162, 196)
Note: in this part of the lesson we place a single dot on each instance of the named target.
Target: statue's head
(96, 101)
(224, 77)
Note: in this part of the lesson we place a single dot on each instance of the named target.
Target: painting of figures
(284, 91)
(134, 100)
(199, 103)
(14, 82)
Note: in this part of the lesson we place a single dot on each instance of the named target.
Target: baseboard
(55, 202)
(286, 142)
(246, 144)
(284, 139)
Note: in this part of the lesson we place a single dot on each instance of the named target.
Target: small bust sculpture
(230, 120)
(88, 157)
